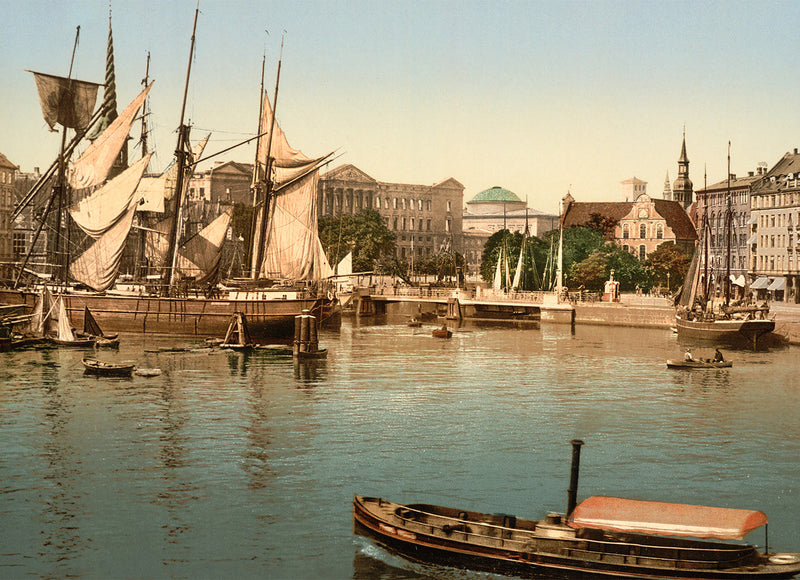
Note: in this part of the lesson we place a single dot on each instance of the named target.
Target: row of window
(722, 198)
(775, 200)
(765, 241)
(406, 224)
(777, 220)
(643, 231)
(775, 263)
(6, 177)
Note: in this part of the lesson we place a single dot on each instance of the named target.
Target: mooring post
(572, 492)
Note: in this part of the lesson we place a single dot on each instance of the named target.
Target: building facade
(713, 201)
(427, 219)
(641, 225)
(774, 240)
(7, 199)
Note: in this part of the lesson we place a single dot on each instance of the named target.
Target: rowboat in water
(602, 537)
(698, 364)
(98, 367)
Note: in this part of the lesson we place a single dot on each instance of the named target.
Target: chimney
(795, 150)
(572, 492)
(749, 174)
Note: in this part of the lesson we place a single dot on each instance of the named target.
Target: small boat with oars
(414, 323)
(600, 538)
(108, 369)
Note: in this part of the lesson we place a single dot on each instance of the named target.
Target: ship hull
(724, 331)
(266, 319)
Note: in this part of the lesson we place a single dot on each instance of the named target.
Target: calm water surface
(228, 466)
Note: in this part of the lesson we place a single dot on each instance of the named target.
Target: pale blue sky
(537, 97)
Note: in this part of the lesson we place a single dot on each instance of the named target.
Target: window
(19, 244)
(419, 205)
(660, 232)
(429, 225)
(643, 231)
(420, 224)
(625, 232)
(642, 253)
(412, 224)
(395, 224)
(449, 205)
(404, 224)
(447, 224)
(395, 203)
(428, 205)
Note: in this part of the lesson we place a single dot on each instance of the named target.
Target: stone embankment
(635, 310)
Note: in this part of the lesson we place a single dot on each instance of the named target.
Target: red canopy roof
(667, 519)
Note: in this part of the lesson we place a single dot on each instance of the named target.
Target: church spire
(682, 189)
(667, 193)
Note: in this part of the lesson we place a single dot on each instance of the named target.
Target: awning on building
(777, 284)
(753, 220)
(752, 239)
(760, 283)
(737, 280)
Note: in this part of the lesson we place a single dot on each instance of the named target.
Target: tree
(364, 234)
(669, 265)
(603, 224)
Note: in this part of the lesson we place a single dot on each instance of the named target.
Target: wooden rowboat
(442, 332)
(97, 367)
(698, 364)
(600, 538)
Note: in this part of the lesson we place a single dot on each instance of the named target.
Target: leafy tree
(590, 273)
(668, 259)
(603, 224)
(364, 234)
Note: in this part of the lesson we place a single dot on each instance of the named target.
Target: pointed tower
(110, 106)
(682, 188)
(667, 193)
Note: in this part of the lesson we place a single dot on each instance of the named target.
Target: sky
(539, 97)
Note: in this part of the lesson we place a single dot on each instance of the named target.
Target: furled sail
(293, 249)
(520, 264)
(97, 267)
(497, 283)
(68, 102)
(64, 325)
(97, 213)
(199, 256)
(92, 167)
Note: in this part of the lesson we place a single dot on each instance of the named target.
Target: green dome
(497, 194)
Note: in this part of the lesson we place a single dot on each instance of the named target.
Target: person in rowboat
(718, 356)
(687, 356)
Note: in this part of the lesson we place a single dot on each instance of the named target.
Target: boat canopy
(666, 519)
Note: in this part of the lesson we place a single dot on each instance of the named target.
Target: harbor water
(241, 466)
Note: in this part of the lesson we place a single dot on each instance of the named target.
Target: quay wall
(620, 314)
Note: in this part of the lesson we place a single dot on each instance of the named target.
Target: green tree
(364, 234)
(668, 264)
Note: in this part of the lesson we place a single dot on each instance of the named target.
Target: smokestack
(572, 492)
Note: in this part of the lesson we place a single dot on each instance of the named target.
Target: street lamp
(668, 288)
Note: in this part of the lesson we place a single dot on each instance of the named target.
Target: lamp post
(668, 288)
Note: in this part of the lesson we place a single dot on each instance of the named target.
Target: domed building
(495, 209)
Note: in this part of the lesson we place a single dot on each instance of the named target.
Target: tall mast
(704, 234)
(145, 81)
(728, 226)
(255, 186)
(62, 258)
(258, 250)
(559, 266)
(180, 159)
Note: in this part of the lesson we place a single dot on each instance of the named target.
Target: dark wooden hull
(95, 367)
(439, 333)
(186, 316)
(696, 364)
(724, 331)
(513, 547)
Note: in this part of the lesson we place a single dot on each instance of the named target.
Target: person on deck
(718, 356)
(688, 355)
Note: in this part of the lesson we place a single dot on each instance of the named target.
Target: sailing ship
(289, 264)
(699, 315)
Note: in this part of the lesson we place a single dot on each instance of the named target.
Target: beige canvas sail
(293, 249)
(92, 167)
(97, 213)
(199, 256)
(64, 325)
(68, 102)
(156, 243)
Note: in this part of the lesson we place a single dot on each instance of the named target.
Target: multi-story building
(775, 241)
(7, 178)
(427, 219)
(713, 201)
(226, 182)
